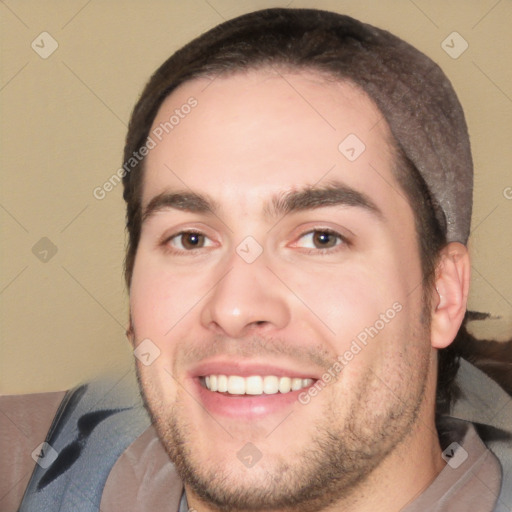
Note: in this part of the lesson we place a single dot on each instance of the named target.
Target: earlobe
(129, 332)
(450, 299)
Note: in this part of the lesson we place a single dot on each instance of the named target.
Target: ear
(129, 332)
(452, 287)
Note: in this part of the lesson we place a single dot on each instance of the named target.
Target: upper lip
(246, 368)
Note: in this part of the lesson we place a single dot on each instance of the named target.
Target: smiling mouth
(254, 385)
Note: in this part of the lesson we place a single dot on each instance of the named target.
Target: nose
(247, 298)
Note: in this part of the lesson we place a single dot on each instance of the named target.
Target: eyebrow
(309, 198)
(313, 197)
(187, 201)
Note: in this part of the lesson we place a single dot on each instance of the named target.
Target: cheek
(368, 306)
(145, 293)
(159, 299)
(348, 298)
(153, 303)
(153, 309)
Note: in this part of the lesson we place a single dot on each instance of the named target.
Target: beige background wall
(63, 123)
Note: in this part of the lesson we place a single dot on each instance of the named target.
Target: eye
(189, 240)
(320, 239)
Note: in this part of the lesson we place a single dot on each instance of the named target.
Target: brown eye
(320, 239)
(324, 239)
(192, 240)
(188, 241)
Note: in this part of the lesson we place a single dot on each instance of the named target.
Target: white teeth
(255, 384)
(296, 384)
(285, 384)
(222, 383)
(270, 385)
(236, 385)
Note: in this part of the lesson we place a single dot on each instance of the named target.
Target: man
(298, 190)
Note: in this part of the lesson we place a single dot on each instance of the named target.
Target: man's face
(270, 248)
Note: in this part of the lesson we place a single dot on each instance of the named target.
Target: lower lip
(246, 406)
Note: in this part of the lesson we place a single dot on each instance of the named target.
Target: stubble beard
(339, 458)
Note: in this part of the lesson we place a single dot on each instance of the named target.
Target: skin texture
(367, 440)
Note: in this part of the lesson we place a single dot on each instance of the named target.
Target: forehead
(263, 132)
